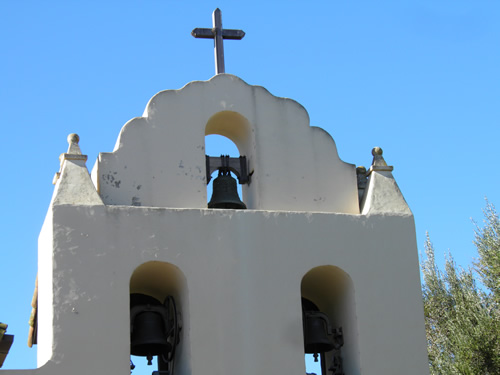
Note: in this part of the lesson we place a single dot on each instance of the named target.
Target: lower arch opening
(329, 321)
(158, 303)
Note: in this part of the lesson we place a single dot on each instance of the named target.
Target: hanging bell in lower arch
(149, 323)
(225, 193)
(317, 329)
(317, 333)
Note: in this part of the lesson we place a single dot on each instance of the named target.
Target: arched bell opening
(231, 192)
(227, 145)
(329, 322)
(158, 303)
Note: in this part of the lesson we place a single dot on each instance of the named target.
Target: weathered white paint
(383, 194)
(46, 308)
(243, 272)
(76, 187)
(237, 275)
(159, 159)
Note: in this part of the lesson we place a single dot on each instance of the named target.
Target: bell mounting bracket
(238, 166)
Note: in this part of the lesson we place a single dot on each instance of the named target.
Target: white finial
(73, 153)
(73, 138)
(377, 151)
(73, 148)
(378, 159)
(378, 163)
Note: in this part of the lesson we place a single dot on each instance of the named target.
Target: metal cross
(217, 33)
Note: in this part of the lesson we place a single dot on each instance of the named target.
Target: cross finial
(217, 33)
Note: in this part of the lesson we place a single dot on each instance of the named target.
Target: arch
(232, 125)
(237, 129)
(159, 280)
(331, 289)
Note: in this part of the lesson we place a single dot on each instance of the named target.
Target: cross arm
(203, 33)
(233, 34)
(226, 33)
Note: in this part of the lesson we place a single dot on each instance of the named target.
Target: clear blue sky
(419, 78)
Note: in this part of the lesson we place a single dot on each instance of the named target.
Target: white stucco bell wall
(243, 270)
(159, 159)
(141, 225)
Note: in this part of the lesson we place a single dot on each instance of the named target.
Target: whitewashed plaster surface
(241, 302)
(159, 159)
(237, 275)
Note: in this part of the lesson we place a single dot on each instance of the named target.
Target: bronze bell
(316, 333)
(225, 193)
(317, 329)
(149, 327)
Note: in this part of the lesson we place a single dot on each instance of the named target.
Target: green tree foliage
(462, 320)
(487, 241)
